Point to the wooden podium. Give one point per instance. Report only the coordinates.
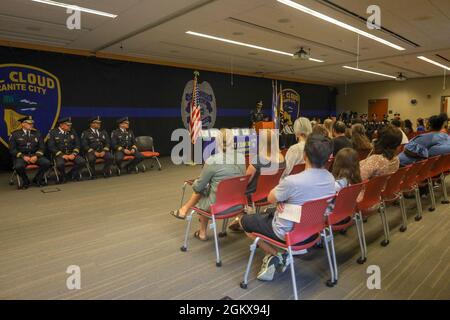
(264, 125)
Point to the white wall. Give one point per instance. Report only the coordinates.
(427, 92)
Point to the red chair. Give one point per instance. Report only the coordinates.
(230, 202)
(298, 168)
(67, 164)
(423, 177)
(437, 173)
(265, 184)
(343, 215)
(392, 192)
(409, 184)
(28, 168)
(147, 149)
(126, 158)
(371, 199)
(312, 224)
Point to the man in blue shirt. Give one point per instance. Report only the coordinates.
(313, 183)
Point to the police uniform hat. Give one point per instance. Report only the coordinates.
(27, 119)
(95, 119)
(119, 121)
(67, 120)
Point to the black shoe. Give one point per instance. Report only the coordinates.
(106, 175)
(39, 182)
(93, 177)
(76, 177)
(25, 183)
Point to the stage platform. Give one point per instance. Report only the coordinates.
(120, 233)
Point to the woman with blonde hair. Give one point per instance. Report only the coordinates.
(328, 124)
(226, 163)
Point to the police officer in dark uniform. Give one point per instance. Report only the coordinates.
(124, 144)
(257, 115)
(27, 147)
(97, 145)
(64, 145)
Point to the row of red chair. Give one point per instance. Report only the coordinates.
(231, 201)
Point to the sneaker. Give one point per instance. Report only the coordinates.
(284, 262)
(268, 268)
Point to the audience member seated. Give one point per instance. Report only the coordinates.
(268, 161)
(340, 141)
(226, 163)
(408, 128)
(383, 159)
(328, 124)
(346, 169)
(420, 125)
(427, 144)
(294, 156)
(396, 123)
(360, 141)
(313, 183)
(320, 129)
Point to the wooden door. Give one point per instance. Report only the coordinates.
(378, 106)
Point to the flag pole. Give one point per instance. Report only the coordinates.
(193, 103)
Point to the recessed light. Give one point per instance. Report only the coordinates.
(76, 8)
(341, 24)
(202, 35)
(434, 62)
(368, 71)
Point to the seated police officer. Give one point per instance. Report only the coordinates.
(64, 145)
(27, 147)
(96, 145)
(124, 144)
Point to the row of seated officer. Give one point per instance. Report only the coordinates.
(27, 147)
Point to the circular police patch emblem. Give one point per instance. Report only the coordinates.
(207, 102)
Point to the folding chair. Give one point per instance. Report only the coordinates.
(230, 202)
(66, 165)
(146, 147)
(371, 199)
(409, 184)
(18, 179)
(298, 168)
(312, 224)
(423, 177)
(343, 216)
(125, 159)
(392, 192)
(437, 173)
(265, 184)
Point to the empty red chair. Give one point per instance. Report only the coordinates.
(423, 176)
(437, 173)
(265, 184)
(230, 202)
(342, 217)
(393, 192)
(312, 224)
(409, 184)
(146, 147)
(298, 168)
(371, 199)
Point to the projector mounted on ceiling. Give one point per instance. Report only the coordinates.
(302, 54)
(401, 77)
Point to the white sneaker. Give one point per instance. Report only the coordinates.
(268, 268)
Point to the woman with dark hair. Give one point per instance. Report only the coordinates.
(346, 168)
(383, 159)
(420, 125)
(408, 128)
(429, 144)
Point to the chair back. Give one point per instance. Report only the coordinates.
(440, 165)
(144, 143)
(363, 154)
(230, 193)
(372, 192)
(345, 203)
(298, 168)
(265, 184)
(312, 221)
(425, 172)
(393, 184)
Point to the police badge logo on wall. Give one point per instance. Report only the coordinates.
(207, 102)
(291, 103)
(27, 90)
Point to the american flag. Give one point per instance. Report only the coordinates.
(195, 124)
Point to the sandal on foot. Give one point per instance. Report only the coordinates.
(197, 235)
(176, 214)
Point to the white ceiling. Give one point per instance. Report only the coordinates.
(156, 29)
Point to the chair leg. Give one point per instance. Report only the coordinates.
(326, 238)
(11, 178)
(294, 282)
(188, 228)
(56, 174)
(432, 196)
(419, 204)
(359, 223)
(159, 164)
(333, 254)
(19, 181)
(444, 190)
(253, 246)
(403, 212)
(216, 242)
(223, 233)
(385, 223)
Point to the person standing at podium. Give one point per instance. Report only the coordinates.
(257, 115)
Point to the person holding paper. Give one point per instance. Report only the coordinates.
(313, 183)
